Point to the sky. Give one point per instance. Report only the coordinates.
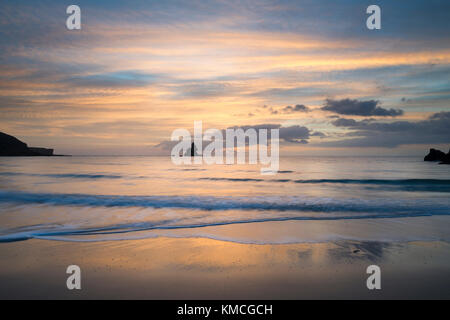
(137, 70)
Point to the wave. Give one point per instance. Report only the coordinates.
(63, 175)
(144, 230)
(209, 211)
(245, 179)
(441, 182)
(409, 185)
(430, 185)
(233, 179)
(384, 207)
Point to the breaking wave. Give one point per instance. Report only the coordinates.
(63, 175)
(384, 207)
(430, 185)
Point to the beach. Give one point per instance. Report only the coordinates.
(199, 268)
(143, 228)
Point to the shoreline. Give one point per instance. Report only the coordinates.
(267, 232)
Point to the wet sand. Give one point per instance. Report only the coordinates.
(200, 268)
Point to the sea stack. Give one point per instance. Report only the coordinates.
(446, 159)
(435, 155)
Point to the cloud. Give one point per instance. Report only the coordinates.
(204, 89)
(297, 108)
(370, 133)
(299, 92)
(288, 109)
(440, 116)
(170, 61)
(343, 122)
(13, 102)
(295, 134)
(292, 134)
(359, 108)
(273, 111)
(123, 79)
(318, 134)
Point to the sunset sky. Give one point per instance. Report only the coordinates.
(137, 70)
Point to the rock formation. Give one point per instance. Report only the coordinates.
(13, 147)
(434, 155)
(42, 151)
(446, 159)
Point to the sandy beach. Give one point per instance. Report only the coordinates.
(140, 228)
(200, 268)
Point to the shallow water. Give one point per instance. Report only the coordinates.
(101, 198)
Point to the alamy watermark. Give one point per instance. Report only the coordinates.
(373, 22)
(374, 280)
(230, 146)
(73, 22)
(74, 280)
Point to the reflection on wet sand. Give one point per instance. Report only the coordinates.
(202, 268)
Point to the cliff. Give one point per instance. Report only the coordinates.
(12, 147)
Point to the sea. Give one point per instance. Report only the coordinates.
(310, 199)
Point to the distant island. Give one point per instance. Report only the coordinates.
(12, 147)
(438, 155)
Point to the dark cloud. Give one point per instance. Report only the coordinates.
(343, 122)
(370, 133)
(405, 100)
(359, 108)
(297, 108)
(440, 116)
(292, 134)
(288, 109)
(295, 134)
(318, 134)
